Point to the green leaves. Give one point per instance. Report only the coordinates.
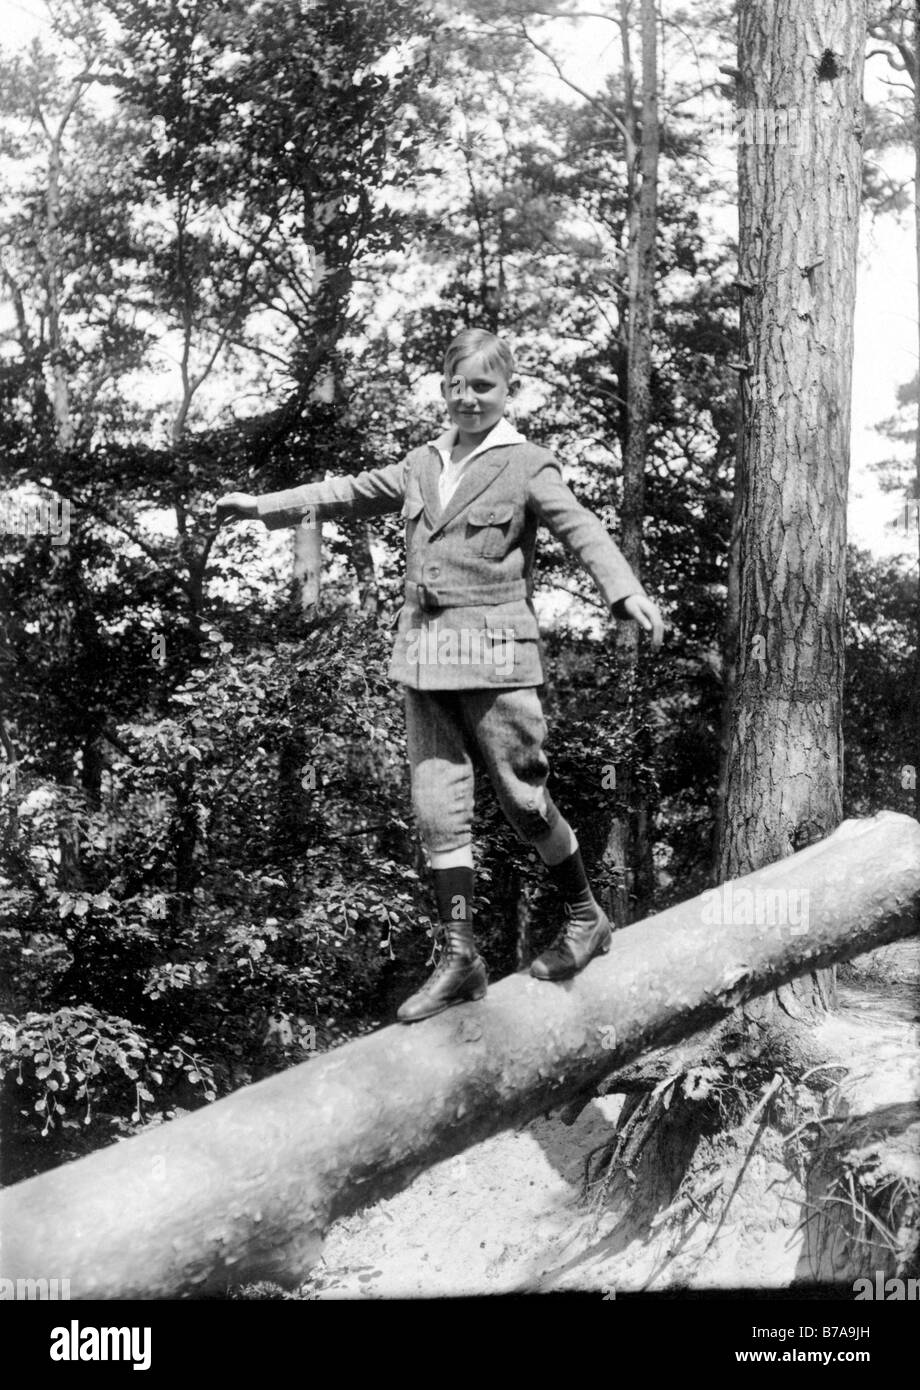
(75, 1064)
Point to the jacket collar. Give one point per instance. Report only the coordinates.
(472, 481)
(502, 433)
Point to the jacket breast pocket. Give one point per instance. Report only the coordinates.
(488, 529)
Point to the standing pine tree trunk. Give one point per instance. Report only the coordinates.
(916, 456)
(54, 270)
(628, 840)
(800, 85)
(306, 571)
(642, 260)
(729, 645)
(912, 64)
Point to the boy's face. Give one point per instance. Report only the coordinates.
(475, 394)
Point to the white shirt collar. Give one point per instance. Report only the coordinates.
(502, 433)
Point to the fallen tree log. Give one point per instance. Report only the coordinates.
(246, 1187)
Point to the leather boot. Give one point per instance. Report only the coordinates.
(585, 935)
(459, 975)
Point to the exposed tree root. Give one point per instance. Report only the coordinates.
(858, 1174)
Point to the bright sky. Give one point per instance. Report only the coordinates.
(886, 337)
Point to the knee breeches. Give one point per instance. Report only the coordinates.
(508, 729)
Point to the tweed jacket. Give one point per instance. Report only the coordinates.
(468, 620)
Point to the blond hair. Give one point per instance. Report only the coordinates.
(494, 349)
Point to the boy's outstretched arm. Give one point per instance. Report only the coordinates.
(586, 537)
(371, 493)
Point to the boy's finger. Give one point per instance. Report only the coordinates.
(643, 614)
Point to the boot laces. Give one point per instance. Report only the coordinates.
(444, 951)
(568, 933)
(441, 959)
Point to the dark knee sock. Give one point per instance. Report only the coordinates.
(570, 878)
(453, 889)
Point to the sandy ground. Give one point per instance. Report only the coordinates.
(508, 1215)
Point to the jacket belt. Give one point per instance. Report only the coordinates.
(430, 596)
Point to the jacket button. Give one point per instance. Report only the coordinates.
(433, 571)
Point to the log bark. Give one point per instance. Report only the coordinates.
(247, 1187)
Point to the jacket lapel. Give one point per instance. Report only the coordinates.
(482, 472)
(429, 473)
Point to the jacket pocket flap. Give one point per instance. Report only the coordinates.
(494, 514)
(517, 617)
(412, 506)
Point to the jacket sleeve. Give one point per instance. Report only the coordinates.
(581, 532)
(371, 493)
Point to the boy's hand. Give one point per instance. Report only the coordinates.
(236, 506)
(646, 615)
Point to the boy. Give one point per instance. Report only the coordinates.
(471, 501)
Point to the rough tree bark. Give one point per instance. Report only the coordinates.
(910, 57)
(915, 78)
(642, 262)
(247, 1187)
(799, 89)
(729, 647)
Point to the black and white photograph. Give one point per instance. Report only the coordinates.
(459, 676)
